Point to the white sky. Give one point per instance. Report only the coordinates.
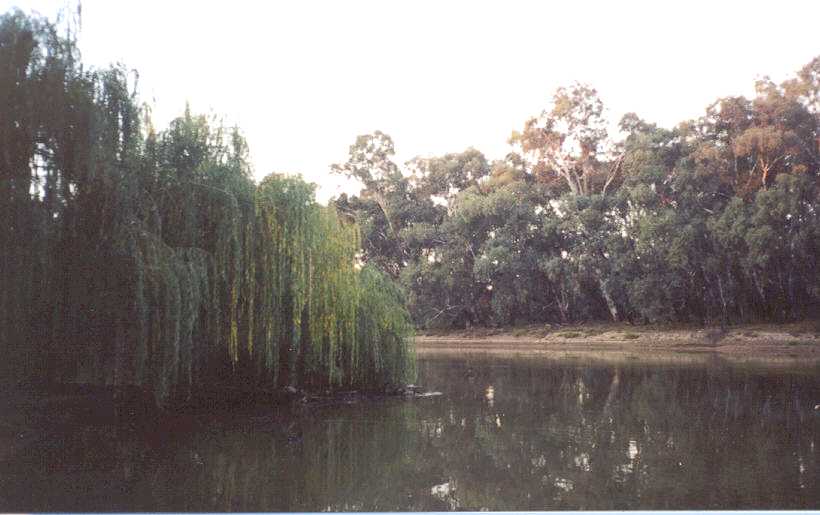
(303, 78)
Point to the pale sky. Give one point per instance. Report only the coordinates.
(302, 79)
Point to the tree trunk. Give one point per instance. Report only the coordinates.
(722, 299)
(563, 305)
(765, 168)
(610, 302)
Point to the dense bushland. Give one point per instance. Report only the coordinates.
(714, 221)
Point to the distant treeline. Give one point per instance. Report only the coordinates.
(714, 221)
(131, 256)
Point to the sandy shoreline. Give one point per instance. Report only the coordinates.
(788, 345)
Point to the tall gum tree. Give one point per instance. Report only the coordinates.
(569, 141)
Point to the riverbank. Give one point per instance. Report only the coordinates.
(797, 343)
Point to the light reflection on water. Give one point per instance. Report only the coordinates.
(506, 434)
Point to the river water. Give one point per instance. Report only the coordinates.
(506, 434)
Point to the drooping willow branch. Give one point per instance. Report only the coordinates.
(153, 260)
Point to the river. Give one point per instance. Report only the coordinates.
(507, 434)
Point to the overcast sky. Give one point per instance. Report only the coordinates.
(302, 79)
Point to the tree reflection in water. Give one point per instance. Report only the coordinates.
(510, 434)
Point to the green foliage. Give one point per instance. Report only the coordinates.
(137, 257)
(383, 355)
(713, 221)
(130, 255)
(330, 323)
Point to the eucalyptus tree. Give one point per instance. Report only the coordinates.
(370, 162)
(442, 285)
(806, 86)
(517, 240)
(569, 142)
(450, 174)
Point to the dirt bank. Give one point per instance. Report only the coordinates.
(775, 344)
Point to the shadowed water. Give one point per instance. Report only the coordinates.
(506, 434)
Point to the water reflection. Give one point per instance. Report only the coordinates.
(515, 434)
(630, 437)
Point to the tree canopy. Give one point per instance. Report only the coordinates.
(136, 256)
(712, 221)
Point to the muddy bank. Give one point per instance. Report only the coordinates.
(793, 344)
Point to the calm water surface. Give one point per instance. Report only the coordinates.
(506, 434)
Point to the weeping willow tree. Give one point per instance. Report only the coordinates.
(130, 256)
(316, 312)
(332, 302)
(382, 356)
(284, 210)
